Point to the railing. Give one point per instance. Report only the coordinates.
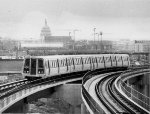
(137, 97)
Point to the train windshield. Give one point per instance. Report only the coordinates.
(33, 66)
(26, 66)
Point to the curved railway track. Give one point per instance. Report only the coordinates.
(112, 99)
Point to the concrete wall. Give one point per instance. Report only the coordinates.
(10, 65)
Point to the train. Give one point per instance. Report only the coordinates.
(35, 67)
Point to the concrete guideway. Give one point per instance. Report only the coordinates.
(126, 76)
(10, 100)
(90, 87)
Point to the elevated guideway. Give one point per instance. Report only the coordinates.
(29, 89)
(134, 96)
(96, 105)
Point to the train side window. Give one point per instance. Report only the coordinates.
(125, 59)
(79, 61)
(113, 59)
(68, 61)
(93, 60)
(75, 60)
(54, 63)
(46, 64)
(119, 58)
(100, 59)
(103, 60)
(96, 60)
(62, 62)
(85, 60)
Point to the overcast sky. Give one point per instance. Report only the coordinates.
(117, 19)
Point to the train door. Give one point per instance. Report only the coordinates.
(40, 65)
(33, 67)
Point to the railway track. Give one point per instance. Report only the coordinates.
(111, 99)
(8, 87)
(106, 98)
(11, 89)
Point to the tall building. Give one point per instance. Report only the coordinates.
(45, 31)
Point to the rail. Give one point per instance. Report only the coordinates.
(9, 100)
(132, 94)
(93, 105)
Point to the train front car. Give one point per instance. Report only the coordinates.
(33, 68)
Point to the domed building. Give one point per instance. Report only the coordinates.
(48, 41)
(47, 38)
(45, 31)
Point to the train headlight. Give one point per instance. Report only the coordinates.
(40, 71)
(26, 70)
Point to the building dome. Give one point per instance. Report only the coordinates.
(45, 30)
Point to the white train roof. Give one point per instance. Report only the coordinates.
(70, 56)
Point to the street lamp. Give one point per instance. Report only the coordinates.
(101, 40)
(94, 36)
(98, 40)
(74, 38)
(69, 33)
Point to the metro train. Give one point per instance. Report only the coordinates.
(45, 66)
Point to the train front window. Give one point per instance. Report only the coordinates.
(26, 66)
(40, 66)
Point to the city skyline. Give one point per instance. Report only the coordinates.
(126, 19)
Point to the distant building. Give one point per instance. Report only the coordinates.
(48, 41)
(142, 45)
(62, 39)
(103, 46)
(46, 37)
(124, 45)
(45, 31)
